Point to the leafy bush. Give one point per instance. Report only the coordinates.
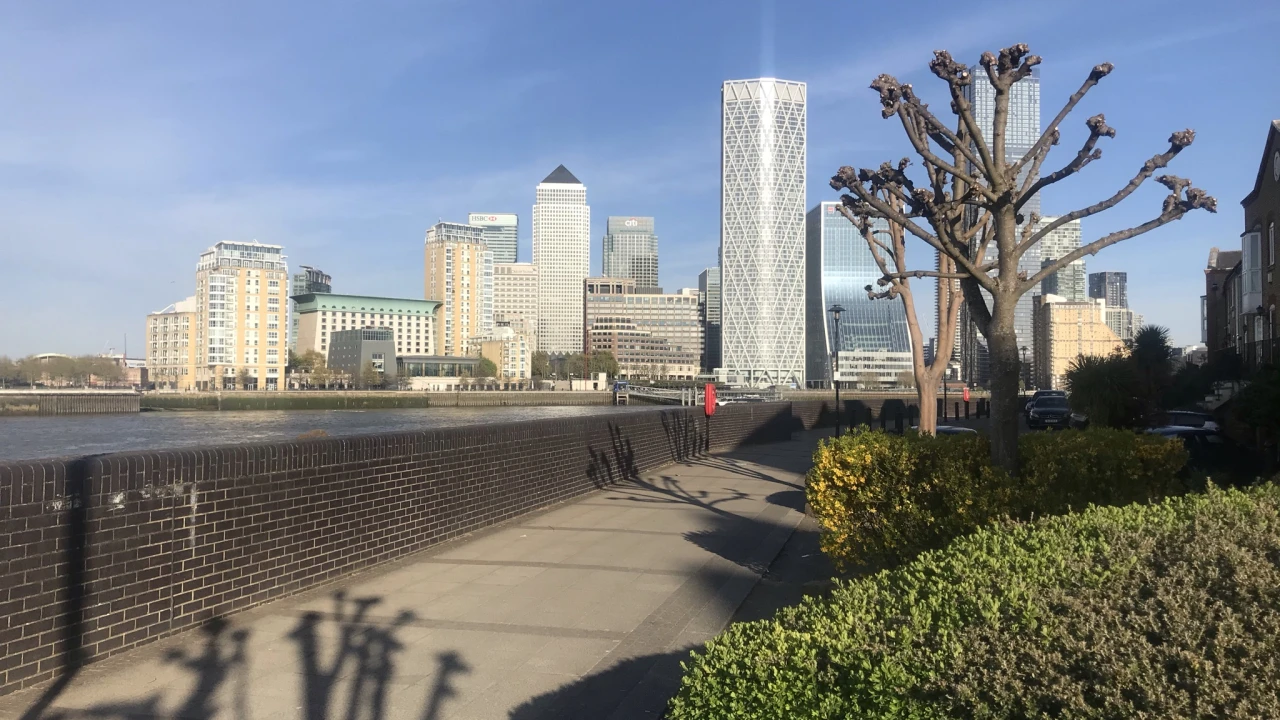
(1102, 466)
(882, 499)
(1169, 610)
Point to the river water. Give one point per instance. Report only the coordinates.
(25, 438)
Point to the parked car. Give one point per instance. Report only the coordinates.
(1050, 411)
(1210, 450)
(950, 430)
(1191, 419)
(1043, 393)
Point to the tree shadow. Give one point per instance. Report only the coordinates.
(346, 659)
(612, 693)
(615, 463)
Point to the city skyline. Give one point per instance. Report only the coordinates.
(167, 169)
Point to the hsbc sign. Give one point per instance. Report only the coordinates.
(506, 219)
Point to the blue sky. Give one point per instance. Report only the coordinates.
(134, 135)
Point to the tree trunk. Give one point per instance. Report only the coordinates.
(1002, 349)
(927, 396)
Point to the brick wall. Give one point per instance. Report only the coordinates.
(101, 554)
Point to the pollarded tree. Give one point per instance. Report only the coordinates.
(969, 207)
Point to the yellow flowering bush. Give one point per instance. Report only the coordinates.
(882, 499)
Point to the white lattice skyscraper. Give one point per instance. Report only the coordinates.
(562, 252)
(762, 230)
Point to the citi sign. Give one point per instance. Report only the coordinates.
(632, 222)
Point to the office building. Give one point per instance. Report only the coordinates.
(1068, 282)
(1065, 331)
(308, 280)
(515, 298)
(562, 252)
(353, 351)
(459, 273)
(509, 350)
(1022, 130)
(762, 209)
(1111, 287)
(631, 250)
(709, 287)
(320, 315)
(171, 347)
(873, 337)
(501, 234)
(675, 318)
(241, 317)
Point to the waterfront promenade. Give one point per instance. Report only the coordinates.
(580, 610)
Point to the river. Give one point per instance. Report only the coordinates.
(25, 438)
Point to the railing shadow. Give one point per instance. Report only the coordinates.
(346, 660)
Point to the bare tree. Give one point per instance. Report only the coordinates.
(971, 204)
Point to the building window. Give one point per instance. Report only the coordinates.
(1271, 243)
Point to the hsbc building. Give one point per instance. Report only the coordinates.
(501, 234)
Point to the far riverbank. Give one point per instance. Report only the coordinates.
(368, 399)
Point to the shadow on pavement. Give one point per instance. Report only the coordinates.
(343, 679)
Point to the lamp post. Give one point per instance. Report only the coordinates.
(1026, 374)
(835, 371)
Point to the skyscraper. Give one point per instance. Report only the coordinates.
(241, 312)
(562, 252)
(309, 280)
(873, 333)
(1069, 282)
(709, 288)
(631, 250)
(459, 273)
(1022, 130)
(762, 210)
(1110, 286)
(501, 234)
(515, 299)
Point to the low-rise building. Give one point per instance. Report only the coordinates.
(1065, 331)
(1259, 281)
(640, 354)
(508, 350)
(673, 317)
(320, 315)
(171, 348)
(353, 351)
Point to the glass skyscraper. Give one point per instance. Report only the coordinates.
(631, 250)
(1069, 281)
(1110, 286)
(501, 234)
(709, 288)
(762, 231)
(873, 333)
(1022, 130)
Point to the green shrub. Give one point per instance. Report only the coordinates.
(883, 499)
(1103, 466)
(1169, 610)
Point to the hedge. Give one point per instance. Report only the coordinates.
(882, 499)
(1167, 610)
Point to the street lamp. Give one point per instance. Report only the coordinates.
(835, 371)
(1025, 373)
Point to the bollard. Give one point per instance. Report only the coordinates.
(957, 410)
(966, 409)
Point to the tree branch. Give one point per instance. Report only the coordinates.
(1175, 206)
(1177, 142)
(1098, 128)
(1095, 75)
(958, 76)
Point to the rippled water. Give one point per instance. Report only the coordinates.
(43, 437)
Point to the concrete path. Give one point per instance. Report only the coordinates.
(581, 611)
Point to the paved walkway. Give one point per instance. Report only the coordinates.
(581, 611)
